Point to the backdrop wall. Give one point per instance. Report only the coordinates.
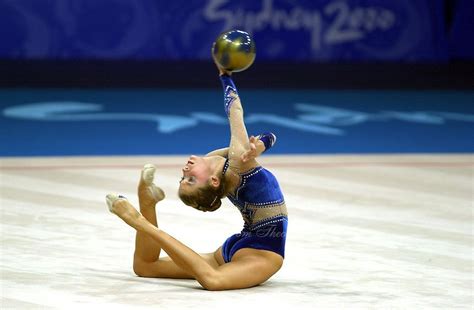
(303, 30)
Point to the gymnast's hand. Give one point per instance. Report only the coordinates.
(252, 153)
(222, 71)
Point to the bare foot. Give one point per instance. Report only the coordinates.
(148, 193)
(120, 206)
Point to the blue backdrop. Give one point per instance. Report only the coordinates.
(185, 29)
(461, 42)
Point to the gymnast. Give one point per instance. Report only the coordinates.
(246, 259)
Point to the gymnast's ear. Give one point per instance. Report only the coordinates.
(214, 181)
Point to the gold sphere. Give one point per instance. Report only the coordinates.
(234, 50)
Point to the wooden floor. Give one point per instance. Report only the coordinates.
(364, 232)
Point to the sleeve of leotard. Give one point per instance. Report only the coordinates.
(268, 139)
(230, 93)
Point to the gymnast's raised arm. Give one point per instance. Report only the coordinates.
(242, 151)
(239, 142)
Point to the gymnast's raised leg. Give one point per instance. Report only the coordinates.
(146, 259)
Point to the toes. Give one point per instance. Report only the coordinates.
(110, 199)
(148, 173)
(146, 189)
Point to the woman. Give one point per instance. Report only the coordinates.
(244, 260)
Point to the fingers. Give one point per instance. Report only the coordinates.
(245, 156)
(222, 71)
(252, 153)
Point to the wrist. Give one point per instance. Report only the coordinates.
(268, 139)
(230, 92)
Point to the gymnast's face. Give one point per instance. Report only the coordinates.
(196, 173)
(198, 178)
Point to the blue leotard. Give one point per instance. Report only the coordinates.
(262, 205)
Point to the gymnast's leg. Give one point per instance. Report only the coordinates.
(147, 250)
(249, 267)
(146, 262)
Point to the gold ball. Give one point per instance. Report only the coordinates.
(234, 50)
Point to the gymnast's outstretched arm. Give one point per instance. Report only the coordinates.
(242, 152)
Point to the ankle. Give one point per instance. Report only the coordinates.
(147, 204)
